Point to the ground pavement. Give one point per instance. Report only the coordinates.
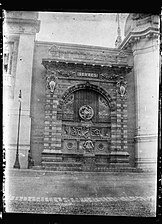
(89, 193)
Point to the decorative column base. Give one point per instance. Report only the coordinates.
(89, 162)
(119, 159)
(146, 152)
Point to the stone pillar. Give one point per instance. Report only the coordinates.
(24, 26)
(146, 72)
(142, 38)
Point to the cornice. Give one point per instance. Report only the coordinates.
(19, 25)
(73, 47)
(49, 62)
(86, 55)
(135, 36)
(82, 71)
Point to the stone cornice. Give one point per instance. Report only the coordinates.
(47, 61)
(81, 47)
(89, 54)
(135, 36)
(20, 25)
(82, 71)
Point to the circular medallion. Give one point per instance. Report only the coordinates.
(86, 112)
(100, 147)
(69, 145)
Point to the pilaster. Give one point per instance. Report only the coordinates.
(20, 29)
(146, 71)
(142, 38)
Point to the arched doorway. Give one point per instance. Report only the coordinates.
(86, 123)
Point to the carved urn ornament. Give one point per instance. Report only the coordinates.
(51, 83)
(122, 90)
(121, 85)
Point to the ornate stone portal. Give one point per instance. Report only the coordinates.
(82, 113)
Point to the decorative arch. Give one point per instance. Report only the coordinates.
(90, 86)
(85, 86)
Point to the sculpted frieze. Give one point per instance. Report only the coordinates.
(66, 73)
(86, 132)
(110, 73)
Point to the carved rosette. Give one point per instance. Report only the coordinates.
(71, 145)
(101, 146)
(86, 112)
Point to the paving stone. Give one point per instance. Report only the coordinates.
(42, 198)
(50, 199)
(55, 200)
(109, 208)
(86, 205)
(72, 200)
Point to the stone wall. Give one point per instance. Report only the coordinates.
(38, 101)
(44, 105)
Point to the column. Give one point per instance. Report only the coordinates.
(23, 82)
(146, 72)
(20, 28)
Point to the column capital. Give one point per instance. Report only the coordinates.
(22, 22)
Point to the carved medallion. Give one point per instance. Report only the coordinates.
(86, 112)
(69, 145)
(100, 147)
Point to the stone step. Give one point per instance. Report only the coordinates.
(120, 160)
(119, 165)
(61, 164)
(95, 169)
(75, 165)
(59, 168)
(51, 159)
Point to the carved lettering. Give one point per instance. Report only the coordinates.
(87, 74)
